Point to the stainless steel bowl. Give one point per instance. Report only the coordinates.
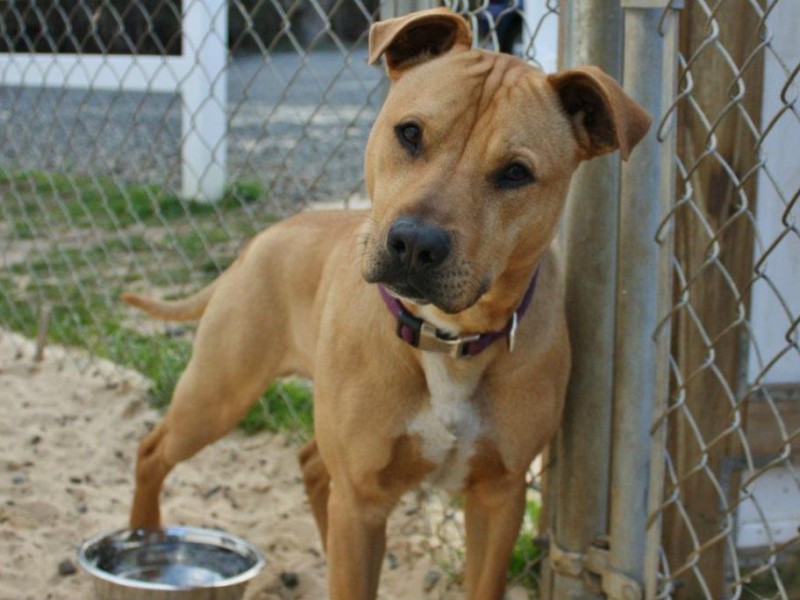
(185, 563)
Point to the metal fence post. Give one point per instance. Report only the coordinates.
(590, 33)
(204, 97)
(667, 136)
(640, 382)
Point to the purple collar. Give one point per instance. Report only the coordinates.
(421, 334)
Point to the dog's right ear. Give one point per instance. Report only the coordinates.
(418, 37)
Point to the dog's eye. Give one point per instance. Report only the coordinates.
(514, 175)
(410, 136)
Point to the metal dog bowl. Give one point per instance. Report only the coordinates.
(174, 563)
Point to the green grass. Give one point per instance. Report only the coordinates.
(104, 250)
(524, 567)
(41, 201)
(287, 405)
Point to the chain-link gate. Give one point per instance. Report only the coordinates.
(731, 506)
(683, 410)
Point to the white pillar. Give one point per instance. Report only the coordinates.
(204, 95)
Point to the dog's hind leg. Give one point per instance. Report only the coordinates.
(317, 481)
(200, 414)
(197, 417)
(150, 473)
(230, 367)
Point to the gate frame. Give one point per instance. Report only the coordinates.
(609, 460)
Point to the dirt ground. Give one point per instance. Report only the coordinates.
(68, 436)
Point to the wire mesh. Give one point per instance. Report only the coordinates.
(94, 121)
(731, 508)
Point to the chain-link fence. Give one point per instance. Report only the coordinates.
(731, 505)
(103, 137)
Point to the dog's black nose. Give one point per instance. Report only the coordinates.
(415, 244)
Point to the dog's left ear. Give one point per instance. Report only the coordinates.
(410, 40)
(603, 116)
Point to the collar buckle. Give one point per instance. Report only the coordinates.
(431, 340)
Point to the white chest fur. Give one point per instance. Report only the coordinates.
(451, 423)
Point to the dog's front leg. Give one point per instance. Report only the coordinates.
(493, 514)
(356, 544)
(317, 481)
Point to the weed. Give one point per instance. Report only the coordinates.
(524, 567)
(46, 200)
(286, 406)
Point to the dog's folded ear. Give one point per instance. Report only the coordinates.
(418, 37)
(603, 116)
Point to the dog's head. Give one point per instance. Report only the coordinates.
(469, 161)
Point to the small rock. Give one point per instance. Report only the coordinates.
(76, 480)
(175, 332)
(134, 408)
(432, 577)
(66, 568)
(82, 508)
(391, 559)
(212, 492)
(19, 479)
(289, 579)
(36, 440)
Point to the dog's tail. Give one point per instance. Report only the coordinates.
(185, 309)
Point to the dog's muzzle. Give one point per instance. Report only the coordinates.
(419, 262)
(413, 258)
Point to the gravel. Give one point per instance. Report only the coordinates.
(297, 123)
(66, 568)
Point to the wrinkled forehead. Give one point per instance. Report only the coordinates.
(480, 90)
(474, 78)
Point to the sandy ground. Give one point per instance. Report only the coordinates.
(67, 442)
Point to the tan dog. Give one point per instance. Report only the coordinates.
(467, 166)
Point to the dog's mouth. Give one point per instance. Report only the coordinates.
(407, 292)
(448, 296)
